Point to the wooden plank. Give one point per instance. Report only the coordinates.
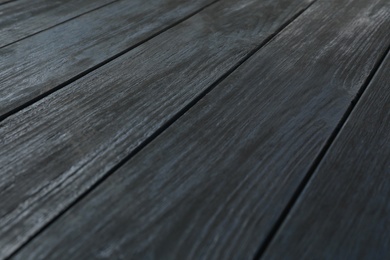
(19, 19)
(344, 212)
(32, 68)
(58, 148)
(214, 183)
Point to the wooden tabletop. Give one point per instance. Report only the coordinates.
(196, 129)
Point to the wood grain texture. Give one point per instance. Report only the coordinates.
(59, 147)
(213, 184)
(344, 212)
(41, 63)
(19, 19)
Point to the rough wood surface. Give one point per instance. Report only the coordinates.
(344, 212)
(213, 184)
(41, 63)
(19, 19)
(59, 147)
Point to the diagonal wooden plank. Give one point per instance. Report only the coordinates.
(214, 183)
(19, 19)
(55, 150)
(39, 65)
(344, 212)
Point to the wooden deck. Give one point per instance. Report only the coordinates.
(197, 129)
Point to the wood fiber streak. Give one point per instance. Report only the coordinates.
(344, 212)
(56, 149)
(213, 184)
(19, 19)
(41, 63)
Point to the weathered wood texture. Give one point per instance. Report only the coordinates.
(345, 213)
(41, 63)
(213, 184)
(59, 147)
(19, 19)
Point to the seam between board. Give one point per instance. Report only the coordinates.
(325, 148)
(7, 2)
(136, 150)
(101, 64)
(166, 125)
(51, 27)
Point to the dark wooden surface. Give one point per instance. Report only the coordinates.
(215, 182)
(345, 211)
(21, 18)
(194, 130)
(79, 133)
(38, 66)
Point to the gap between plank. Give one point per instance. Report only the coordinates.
(48, 28)
(97, 66)
(165, 126)
(309, 175)
(7, 2)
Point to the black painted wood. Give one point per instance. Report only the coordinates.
(56, 149)
(344, 212)
(19, 19)
(40, 64)
(214, 183)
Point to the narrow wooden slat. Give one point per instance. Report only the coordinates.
(59, 147)
(39, 64)
(19, 19)
(214, 183)
(345, 213)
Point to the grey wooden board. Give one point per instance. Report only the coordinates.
(39, 64)
(59, 147)
(213, 184)
(19, 19)
(344, 213)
